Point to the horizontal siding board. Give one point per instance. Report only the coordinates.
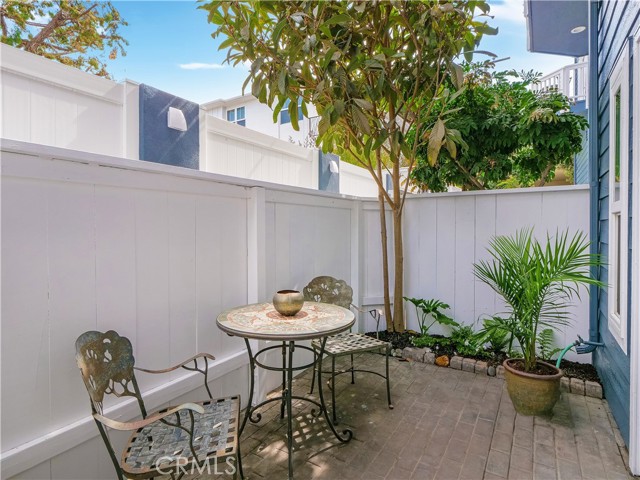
(617, 21)
(619, 38)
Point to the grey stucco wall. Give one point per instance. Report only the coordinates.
(158, 142)
(327, 180)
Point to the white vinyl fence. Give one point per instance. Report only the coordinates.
(49, 103)
(230, 149)
(357, 181)
(444, 234)
(156, 252)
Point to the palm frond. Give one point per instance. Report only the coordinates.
(538, 282)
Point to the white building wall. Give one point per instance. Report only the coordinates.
(259, 117)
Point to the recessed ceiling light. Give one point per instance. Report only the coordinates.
(578, 29)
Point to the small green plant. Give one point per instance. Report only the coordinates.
(546, 350)
(465, 342)
(437, 344)
(430, 341)
(494, 336)
(426, 309)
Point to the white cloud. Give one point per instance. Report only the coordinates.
(201, 66)
(508, 11)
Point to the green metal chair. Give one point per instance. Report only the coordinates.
(192, 437)
(327, 289)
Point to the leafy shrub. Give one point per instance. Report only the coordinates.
(431, 341)
(431, 308)
(465, 342)
(546, 349)
(494, 336)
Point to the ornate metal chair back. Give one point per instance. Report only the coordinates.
(327, 289)
(106, 363)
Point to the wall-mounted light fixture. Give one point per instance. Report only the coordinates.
(176, 120)
(333, 166)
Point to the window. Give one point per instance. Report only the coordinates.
(618, 198)
(284, 113)
(236, 115)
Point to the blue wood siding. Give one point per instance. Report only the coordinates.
(617, 21)
(581, 162)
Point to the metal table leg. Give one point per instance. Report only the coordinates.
(287, 394)
(252, 372)
(286, 398)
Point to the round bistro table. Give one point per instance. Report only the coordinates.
(261, 321)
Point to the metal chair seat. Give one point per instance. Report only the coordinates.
(348, 343)
(330, 290)
(215, 436)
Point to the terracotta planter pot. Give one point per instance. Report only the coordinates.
(530, 393)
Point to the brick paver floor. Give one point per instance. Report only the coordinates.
(446, 424)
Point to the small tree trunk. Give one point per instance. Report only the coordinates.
(398, 283)
(398, 286)
(385, 263)
(544, 175)
(385, 251)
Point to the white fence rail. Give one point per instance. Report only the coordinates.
(156, 252)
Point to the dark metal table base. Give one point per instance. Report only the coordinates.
(287, 369)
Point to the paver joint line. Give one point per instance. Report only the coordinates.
(447, 424)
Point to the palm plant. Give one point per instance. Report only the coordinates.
(538, 282)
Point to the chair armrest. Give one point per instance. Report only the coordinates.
(116, 425)
(203, 369)
(182, 364)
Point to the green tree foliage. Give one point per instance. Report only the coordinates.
(509, 135)
(374, 70)
(71, 32)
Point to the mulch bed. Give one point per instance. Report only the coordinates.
(400, 340)
(583, 371)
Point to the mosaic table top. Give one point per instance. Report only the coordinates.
(262, 321)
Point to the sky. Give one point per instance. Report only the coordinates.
(170, 48)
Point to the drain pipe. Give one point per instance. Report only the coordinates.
(594, 191)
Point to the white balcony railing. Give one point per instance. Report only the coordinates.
(572, 80)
